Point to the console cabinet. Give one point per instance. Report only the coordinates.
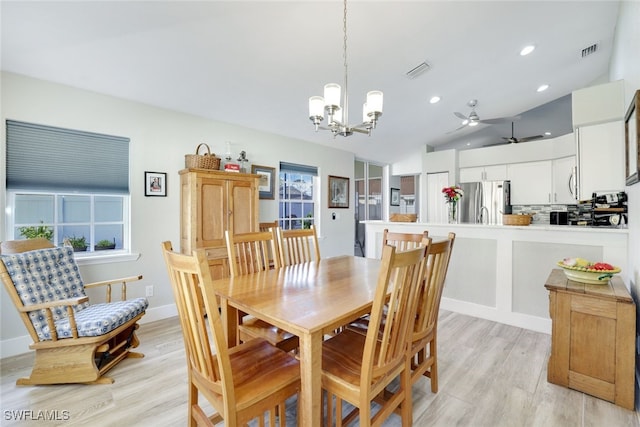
(592, 338)
(212, 202)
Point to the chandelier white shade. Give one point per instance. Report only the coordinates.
(338, 120)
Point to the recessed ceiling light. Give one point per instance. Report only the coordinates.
(542, 88)
(547, 133)
(527, 50)
(434, 99)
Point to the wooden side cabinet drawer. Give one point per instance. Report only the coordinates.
(592, 338)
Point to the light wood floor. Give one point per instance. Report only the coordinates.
(490, 375)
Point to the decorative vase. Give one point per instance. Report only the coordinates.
(453, 212)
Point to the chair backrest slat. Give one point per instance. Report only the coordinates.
(298, 246)
(388, 334)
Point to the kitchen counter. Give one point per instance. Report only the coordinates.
(497, 272)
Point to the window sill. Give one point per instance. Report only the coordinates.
(106, 259)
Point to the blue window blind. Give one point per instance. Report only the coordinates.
(294, 168)
(52, 159)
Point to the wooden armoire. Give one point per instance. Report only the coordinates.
(213, 201)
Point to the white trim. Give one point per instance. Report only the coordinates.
(19, 345)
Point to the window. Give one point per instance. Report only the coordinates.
(75, 188)
(297, 196)
(368, 177)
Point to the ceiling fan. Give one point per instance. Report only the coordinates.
(473, 119)
(514, 140)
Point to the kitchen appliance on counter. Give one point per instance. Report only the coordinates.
(484, 202)
(559, 217)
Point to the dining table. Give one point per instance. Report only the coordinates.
(310, 300)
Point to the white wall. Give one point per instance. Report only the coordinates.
(159, 140)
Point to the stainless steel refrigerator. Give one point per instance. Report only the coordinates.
(484, 202)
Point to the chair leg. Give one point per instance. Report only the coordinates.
(407, 403)
(433, 370)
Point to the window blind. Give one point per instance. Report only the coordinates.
(48, 158)
(295, 168)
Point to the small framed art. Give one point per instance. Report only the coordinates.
(338, 192)
(155, 184)
(266, 185)
(395, 197)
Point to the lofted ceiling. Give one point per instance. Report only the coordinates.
(256, 63)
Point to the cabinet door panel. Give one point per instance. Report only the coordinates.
(530, 183)
(564, 183)
(213, 211)
(601, 158)
(600, 360)
(243, 199)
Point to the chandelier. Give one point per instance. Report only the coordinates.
(338, 117)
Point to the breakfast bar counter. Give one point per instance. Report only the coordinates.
(497, 272)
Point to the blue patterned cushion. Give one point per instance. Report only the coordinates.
(52, 274)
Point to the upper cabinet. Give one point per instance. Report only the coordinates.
(601, 158)
(484, 173)
(531, 183)
(598, 104)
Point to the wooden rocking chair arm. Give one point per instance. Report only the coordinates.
(113, 281)
(49, 304)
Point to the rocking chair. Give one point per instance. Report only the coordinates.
(75, 342)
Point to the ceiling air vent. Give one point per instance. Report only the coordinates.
(417, 70)
(589, 50)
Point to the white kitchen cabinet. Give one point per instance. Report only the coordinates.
(531, 182)
(564, 181)
(483, 173)
(601, 166)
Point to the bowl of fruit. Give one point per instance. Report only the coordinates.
(581, 270)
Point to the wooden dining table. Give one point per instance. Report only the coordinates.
(309, 300)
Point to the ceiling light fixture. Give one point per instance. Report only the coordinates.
(434, 99)
(527, 50)
(338, 121)
(542, 88)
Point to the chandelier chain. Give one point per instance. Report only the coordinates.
(345, 115)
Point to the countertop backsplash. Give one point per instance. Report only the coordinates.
(540, 212)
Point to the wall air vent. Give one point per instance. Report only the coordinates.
(589, 50)
(417, 70)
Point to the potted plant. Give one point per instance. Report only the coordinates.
(105, 244)
(79, 244)
(35, 231)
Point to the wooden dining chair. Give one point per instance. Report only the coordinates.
(248, 254)
(298, 246)
(357, 368)
(241, 383)
(424, 351)
(265, 226)
(403, 241)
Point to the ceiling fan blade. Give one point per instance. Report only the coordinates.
(500, 120)
(497, 143)
(455, 130)
(530, 138)
(460, 115)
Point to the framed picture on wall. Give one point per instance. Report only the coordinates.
(338, 192)
(155, 184)
(395, 197)
(632, 140)
(266, 184)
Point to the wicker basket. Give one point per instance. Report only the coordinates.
(403, 217)
(202, 161)
(516, 219)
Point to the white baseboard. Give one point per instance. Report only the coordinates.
(20, 345)
(520, 320)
